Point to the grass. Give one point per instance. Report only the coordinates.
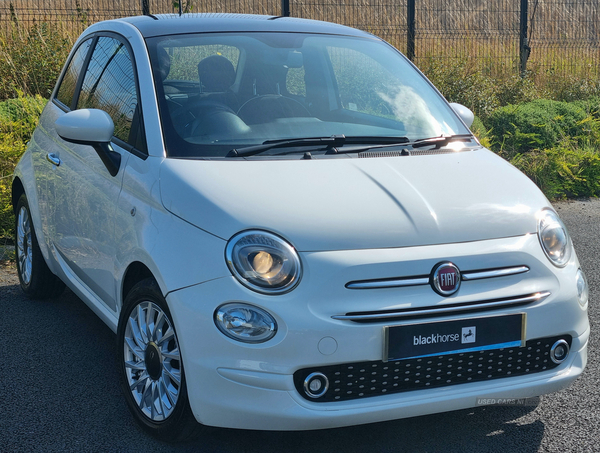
(31, 59)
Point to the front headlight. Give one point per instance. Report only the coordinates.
(263, 262)
(554, 238)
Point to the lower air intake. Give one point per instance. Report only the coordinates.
(364, 379)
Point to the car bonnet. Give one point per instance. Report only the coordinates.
(352, 203)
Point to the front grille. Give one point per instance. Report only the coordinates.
(439, 310)
(364, 379)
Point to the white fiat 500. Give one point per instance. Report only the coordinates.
(289, 228)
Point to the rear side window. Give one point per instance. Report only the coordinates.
(109, 85)
(66, 90)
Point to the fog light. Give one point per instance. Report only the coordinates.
(244, 322)
(582, 288)
(316, 385)
(559, 351)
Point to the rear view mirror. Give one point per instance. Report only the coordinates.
(465, 114)
(86, 126)
(91, 127)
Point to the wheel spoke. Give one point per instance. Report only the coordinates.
(171, 396)
(134, 348)
(157, 326)
(172, 355)
(170, 333)
(150, 321)
(143, 379)
(149, 399)
(174, 375)
(135, 332)
(20, 239)
(141, 326)
(153, 414)
(138, 366)
(160, 391)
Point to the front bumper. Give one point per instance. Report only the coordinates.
(237, 385)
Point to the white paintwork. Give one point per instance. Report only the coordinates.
(258, 378)
(401, 201)
(351, 219)
(465, 114)
(86, 125)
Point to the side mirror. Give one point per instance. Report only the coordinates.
(91, 127)
(465, 114)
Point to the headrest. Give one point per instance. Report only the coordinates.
(216, 74)
(164, 62)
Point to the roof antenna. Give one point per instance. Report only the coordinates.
(180, 11)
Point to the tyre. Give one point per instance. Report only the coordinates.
(151, 369)
(37, 280)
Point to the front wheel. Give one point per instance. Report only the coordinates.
(37, 280)
(151, 368)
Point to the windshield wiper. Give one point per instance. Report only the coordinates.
(367, 143)
(438, 142)
(329, 142)
(332, 144)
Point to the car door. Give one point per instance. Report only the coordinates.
(86, 195)
(45, 142)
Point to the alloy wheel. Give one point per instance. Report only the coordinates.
(152, 361)
(24, 249)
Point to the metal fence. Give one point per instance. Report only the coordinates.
(563, 35)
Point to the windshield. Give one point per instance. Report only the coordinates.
(222, 91)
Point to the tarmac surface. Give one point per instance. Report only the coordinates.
(59, 389)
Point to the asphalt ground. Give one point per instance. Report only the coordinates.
(59, 389)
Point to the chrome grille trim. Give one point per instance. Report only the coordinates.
(444, 310)
(493, 273)
(424, 280)
(392, 283)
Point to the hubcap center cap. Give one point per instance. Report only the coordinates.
(153, 361)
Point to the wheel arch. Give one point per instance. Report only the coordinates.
(17, 190)
(135, 273)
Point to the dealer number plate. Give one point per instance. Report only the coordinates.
(451, 337)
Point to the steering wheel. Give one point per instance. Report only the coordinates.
(269, 107)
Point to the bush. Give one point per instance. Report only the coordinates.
(562, 172)
(541, 124)
(516, 90)
(480, 131)
(571, 88)
(459, 83)
(18, 118)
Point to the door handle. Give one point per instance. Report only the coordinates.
(53, 159)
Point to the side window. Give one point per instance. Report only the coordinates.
(109, 85)
(361, 82)
(67, 85)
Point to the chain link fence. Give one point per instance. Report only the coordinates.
(563, 35)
